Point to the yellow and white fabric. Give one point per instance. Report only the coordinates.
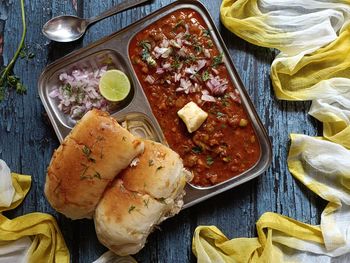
(313, 37)
(32, 237)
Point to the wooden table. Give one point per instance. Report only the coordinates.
(27, 140)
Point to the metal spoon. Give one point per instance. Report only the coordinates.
(70, 28)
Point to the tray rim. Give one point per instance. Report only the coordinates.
(206, 192)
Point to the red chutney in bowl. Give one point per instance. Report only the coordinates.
(176, 61)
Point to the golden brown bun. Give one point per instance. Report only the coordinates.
(141, 198)
(123, 219)
(96, 150)
(158, 172)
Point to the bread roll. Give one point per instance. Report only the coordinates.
(89, 158)
(141, 197)
(124, 218)
(158, 173)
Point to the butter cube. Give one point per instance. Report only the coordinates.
(193, 116)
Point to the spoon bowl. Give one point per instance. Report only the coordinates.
(70, 28)
(65, 28)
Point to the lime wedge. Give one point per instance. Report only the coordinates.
(114, 85)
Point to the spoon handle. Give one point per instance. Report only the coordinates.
(116, 9)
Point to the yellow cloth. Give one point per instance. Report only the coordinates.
(48, 244)
(313, 64)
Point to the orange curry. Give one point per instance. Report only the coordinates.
(176, 61)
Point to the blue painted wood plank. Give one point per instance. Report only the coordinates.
(27, 141)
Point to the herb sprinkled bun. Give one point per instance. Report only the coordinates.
(142, 197)
(89, 158)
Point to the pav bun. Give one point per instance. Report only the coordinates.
(142, 197)
(89, 158)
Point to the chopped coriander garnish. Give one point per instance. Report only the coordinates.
(145, 44)
(188, 36)
(124, 138)
(205, 75)
(85, 168)
(86, 151)
(179, 23)
(198, 48)
(159, 168)
(150, 162)
(131, 208)
(145, 54)
(210, 160)
(225, 103)
(196, 149)
(190, 59)
(97, 175)
(220, 114)
(176, 64)
(162, 200)
(146, 202)
(217, 60)
(68, 89)
(206, 32)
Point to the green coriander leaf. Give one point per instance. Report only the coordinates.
(146, 202)
(220, 114)
(131, 208)
(210, 160)
(196, 149)
(206, 32)
(159, 168)
(217, 60)
(97, 175)
(20, 88)
(162, 200)
(179, 23)
(205, 75)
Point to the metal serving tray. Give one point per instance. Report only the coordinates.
(135, 112)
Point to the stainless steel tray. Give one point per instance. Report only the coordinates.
(135, 112)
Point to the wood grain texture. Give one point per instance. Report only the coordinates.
(27, 140)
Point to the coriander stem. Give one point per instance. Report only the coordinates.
(20, 46)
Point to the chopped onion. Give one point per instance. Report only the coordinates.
(207, 98)
(207, 53)
(215, 71)
(166, 66)
(79, 92)
(201, 64)
(162, 52)
(160, 70)
(185, 86)
(217, 86)
(235, 97)
(177, 77)
(134, 162)
(165, 43)
(149, 79)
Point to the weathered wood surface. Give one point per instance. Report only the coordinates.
(27, 140)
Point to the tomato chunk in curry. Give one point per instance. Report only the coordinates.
(176, 61)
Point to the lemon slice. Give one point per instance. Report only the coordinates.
(114, 85)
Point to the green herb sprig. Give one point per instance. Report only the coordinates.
(7, 78)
